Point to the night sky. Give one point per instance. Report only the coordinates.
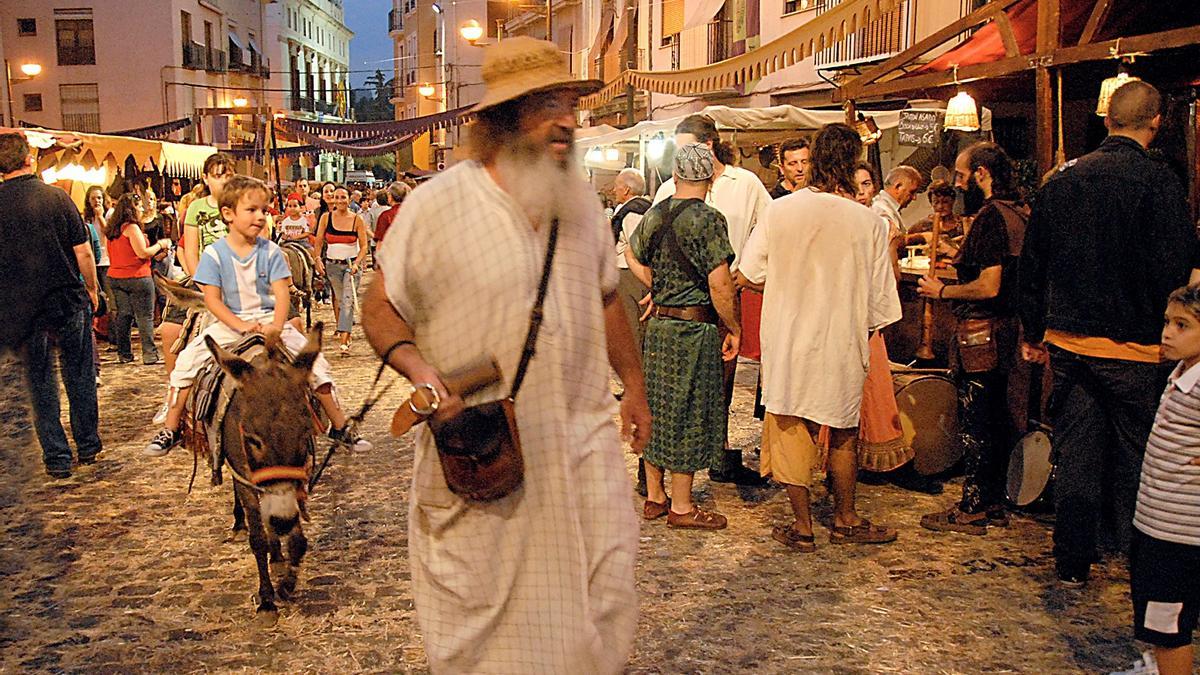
(371, 44)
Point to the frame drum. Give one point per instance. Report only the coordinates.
(928, 403)
(1030, 469)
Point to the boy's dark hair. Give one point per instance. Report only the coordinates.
(237, 187)
(13, 151)
(1188, 297)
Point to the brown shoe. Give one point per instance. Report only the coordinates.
(697, 520)
(654, 510)
(954, 520)
(793, 539)
(865, 532)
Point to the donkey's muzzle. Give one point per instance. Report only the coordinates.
(283, 526)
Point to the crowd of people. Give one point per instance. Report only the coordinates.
(802, 278)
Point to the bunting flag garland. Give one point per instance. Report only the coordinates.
(376, 130)
(360, 149)
(155, 131)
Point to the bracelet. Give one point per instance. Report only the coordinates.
(941, 291)
(387, 355)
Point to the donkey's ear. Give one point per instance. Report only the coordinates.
(308, 356)
(231, 363)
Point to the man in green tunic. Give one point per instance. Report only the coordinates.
(682, 251)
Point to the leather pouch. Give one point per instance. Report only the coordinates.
(976, 339)
(480, 451)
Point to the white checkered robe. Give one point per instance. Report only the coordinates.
(542, 580)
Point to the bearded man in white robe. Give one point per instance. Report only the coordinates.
(540, 580)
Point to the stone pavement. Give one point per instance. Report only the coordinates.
(118, 569)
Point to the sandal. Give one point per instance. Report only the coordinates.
(655, 510)
(865, 532)
(793, 539)
(954, 520)
(697, 520)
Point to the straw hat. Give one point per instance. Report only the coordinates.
(519, 66)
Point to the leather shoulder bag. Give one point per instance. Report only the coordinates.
(480, 449)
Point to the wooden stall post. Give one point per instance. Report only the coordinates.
(925, 351)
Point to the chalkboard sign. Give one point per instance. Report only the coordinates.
(920, 128)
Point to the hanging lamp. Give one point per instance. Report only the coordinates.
(1111, 84)
(961, 112)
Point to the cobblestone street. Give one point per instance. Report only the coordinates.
(118, 569)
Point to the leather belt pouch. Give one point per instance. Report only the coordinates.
(480, 451)
(976, 338)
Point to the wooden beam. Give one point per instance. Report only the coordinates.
(1006, 34)
(1097, 51)
(979, 16)
(1044, 120)
(1095, 21)
(1049, 26)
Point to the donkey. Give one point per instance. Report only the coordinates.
(267, 436)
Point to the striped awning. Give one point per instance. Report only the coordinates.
(817, 34)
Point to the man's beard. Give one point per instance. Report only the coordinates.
(967, 202)
(544, 187)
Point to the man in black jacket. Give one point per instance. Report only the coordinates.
(1108, 240)
(47, 294)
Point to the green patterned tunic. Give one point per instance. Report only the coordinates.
(682, 359)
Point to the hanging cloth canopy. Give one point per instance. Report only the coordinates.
(377, 130)
(700, 12)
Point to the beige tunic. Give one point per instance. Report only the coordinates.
(829, 282)
(542, 580)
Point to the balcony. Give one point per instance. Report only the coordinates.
(215, 61)
(720, 40)
(890, 34)
(308, 104)
(194, 56)
(395, 21)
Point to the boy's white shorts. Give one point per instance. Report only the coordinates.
(195, 356)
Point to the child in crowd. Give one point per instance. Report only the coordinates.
(1165, 557)
(294, 226)
(244, 278)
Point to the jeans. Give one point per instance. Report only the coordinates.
(1102, 411)
(986, 433)
(135, 300)
(74, 339)
(345, 286)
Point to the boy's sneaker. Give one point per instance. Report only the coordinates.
(1146, 665)
(162, 443)
(347, 436)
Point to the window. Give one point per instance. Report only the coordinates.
(27, 27)
(80, 107)
(185, 28)
(33, 102)
(76, 45)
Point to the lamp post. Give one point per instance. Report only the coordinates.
(29, 71)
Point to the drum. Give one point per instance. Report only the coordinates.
(928, 403)
(1030, 470)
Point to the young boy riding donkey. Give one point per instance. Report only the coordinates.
(268, 427)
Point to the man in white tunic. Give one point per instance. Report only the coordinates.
(540, 580)
(829, 283)
(742, 198)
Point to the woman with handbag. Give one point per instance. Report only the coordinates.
(986, 338)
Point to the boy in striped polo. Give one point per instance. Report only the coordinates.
(1165, 559)
(244, 277)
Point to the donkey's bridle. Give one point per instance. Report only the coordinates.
(269, 474)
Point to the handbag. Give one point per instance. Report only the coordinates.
(976, 339)
(480, 449)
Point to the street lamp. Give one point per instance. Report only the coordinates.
(426, 90)
(240, 102)
(471, 31)
(29, 71)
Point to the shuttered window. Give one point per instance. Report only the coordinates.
(672, 18)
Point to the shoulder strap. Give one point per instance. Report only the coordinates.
(665, 235)
(535, 316)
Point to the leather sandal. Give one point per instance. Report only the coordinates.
(697, 520)
(954, 520)
(805, 543)
(655, 510)
(865, 532)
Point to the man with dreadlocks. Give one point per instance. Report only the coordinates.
(830, 285)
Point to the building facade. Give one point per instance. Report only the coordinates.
(112, 65)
